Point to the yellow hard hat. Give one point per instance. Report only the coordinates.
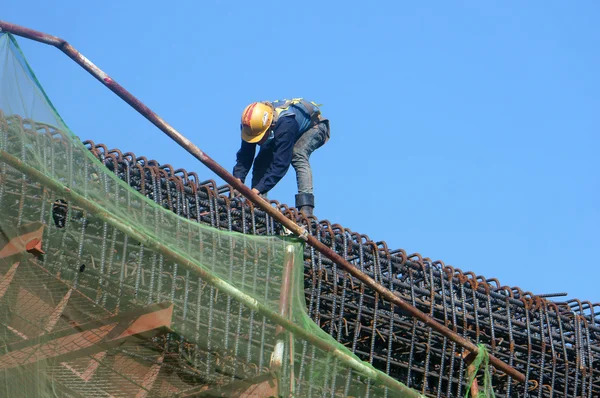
(256, 120)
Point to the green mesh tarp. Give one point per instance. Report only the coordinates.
(104, 292)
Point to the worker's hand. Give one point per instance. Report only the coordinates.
(255, 191)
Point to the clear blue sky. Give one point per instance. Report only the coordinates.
(466, 131)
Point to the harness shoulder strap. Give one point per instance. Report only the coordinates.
(310, 107)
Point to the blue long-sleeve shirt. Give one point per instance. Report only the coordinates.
(273, 160)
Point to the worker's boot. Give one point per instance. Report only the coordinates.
(305, 202)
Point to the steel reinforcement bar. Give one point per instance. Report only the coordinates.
(555, 344)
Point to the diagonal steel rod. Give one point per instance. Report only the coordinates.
(298, 230)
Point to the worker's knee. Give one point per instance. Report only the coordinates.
(299, 158)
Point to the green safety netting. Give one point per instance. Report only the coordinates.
(103, 292)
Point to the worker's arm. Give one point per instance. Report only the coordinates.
(244, 159)
(284, 139)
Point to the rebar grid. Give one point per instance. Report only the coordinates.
(543, 339)
(554, 344)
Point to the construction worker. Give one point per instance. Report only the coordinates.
(288, 132)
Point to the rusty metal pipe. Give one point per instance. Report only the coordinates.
(298, 230)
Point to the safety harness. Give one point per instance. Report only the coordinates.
(309, 108)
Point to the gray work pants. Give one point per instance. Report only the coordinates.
(312, 139)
